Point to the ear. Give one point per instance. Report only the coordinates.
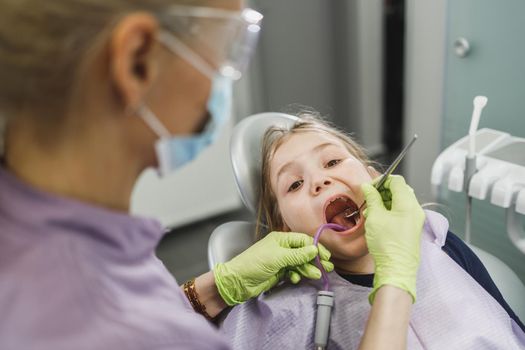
(373, 172)
(132, 65)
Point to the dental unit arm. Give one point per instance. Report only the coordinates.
(499, 174)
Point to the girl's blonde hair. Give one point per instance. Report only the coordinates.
(43, 44)
(269, 217)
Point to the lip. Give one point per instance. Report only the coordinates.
(359, 222)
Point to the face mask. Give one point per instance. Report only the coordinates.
(172, 151)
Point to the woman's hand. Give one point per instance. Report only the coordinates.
(394, 220)
(261, 266)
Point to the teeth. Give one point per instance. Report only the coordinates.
(339, 198)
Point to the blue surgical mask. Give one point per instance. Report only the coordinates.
(173, 152)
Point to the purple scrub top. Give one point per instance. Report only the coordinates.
(76, 276)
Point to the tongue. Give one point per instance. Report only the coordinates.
(341, 220)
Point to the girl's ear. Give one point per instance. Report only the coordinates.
(373, 172)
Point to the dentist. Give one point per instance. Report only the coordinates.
(93, 92)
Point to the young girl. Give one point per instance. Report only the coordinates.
(311, 175)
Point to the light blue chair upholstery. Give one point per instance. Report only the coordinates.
(228, 240)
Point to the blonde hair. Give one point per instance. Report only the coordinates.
(44, 43)
(2, 128)
(269, 216)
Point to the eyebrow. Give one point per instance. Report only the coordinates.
(317, 148)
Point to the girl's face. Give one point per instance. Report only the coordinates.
(316, 179)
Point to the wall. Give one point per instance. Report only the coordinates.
(424, 67)
(325, 55)
(428, 24)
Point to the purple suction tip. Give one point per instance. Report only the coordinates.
(324, 274)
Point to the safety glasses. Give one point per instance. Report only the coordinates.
(212, 40)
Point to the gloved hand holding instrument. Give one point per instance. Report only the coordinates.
(393, 234)
(394, 220)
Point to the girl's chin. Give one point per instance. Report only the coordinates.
(347, 248)
(355, 260)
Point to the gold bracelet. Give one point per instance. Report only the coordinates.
(193, 297)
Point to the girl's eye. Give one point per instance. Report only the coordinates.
(294, 186)
(333, 162)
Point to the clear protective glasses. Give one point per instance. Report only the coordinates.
(213, 40)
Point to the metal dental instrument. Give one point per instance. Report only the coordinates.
(388, 171)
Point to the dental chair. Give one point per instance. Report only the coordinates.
(231, 238)
(509, 284)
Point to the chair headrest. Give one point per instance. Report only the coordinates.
(245, 152)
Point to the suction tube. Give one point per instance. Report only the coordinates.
(324, 275)
(325, 298)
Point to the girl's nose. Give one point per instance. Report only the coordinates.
(319, 185)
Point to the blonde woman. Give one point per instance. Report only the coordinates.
(93, 92)
(313, 174)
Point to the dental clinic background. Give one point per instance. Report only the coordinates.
(382, 70)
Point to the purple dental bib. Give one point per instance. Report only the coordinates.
(452, 310)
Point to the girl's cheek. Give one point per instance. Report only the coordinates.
(354, 173)
(291, 213)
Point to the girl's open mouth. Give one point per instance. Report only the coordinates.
(336, 211)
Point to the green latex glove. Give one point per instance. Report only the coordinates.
(394, 220)
(261, 266)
